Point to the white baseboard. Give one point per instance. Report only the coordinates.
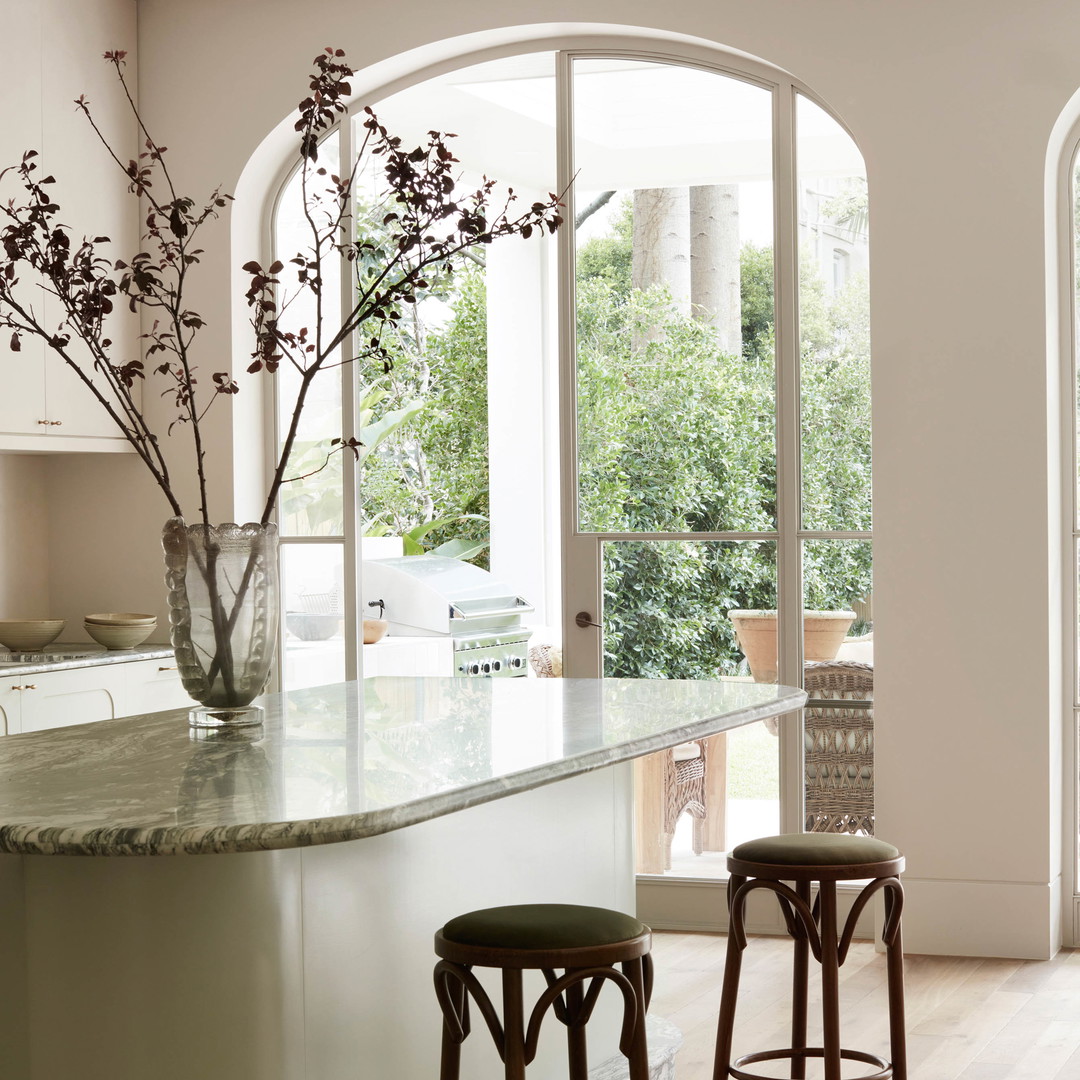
(1017, 920)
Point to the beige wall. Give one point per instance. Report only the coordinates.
(952, 104)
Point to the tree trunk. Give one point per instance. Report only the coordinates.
(661, 253)
(714, 261)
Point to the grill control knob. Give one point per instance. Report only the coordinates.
(516, 662)
(485, 667)
(473, 669)
(496, 665)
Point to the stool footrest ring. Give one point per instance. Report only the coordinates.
(885, 1069)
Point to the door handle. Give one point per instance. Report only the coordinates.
(584, 619)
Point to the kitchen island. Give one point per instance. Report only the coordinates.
(355, 821)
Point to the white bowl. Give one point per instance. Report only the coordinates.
(119, 637)
(29, 635)
(121, 618)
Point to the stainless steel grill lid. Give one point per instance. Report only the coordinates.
(429, 595)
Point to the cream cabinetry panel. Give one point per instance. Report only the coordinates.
(52, 699)
(56, 699)
(409, 656)
(43, 405)
(153, 686)
(11, 691)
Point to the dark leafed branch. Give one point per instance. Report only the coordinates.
(427, 223)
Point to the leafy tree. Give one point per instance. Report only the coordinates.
(675, 435)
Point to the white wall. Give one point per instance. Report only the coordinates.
(24, 539)
(952, 105)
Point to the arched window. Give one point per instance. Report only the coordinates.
(659, 417)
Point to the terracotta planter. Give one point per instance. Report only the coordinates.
(823, 634)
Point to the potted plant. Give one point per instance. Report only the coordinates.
(222, 577)
(823, 634)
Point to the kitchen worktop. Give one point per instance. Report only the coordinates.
(64, 657)
(342, 762)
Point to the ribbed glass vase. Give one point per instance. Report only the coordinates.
(223, 613)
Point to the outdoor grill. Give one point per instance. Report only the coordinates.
(432, 596)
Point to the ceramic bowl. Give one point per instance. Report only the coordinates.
(121, 618)
(119, 636)
(29, 635)
(375, 630)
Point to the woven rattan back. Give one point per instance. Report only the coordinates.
(839, 747)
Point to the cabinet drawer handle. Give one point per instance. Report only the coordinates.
(45, 422)
(57, 423)
(28, 686)
(173, 668)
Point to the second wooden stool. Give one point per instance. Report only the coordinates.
(805, 858)
(585, 943)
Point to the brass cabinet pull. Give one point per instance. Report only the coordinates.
(28, 686)
(173, 668)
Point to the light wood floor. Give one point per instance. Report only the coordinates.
(967, 1019)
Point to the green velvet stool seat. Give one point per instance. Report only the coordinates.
(584, 943)
(803, 859)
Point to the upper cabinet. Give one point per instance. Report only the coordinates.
(55, 53)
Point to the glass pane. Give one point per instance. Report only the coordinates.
(312, 577)
(311, 502)
(425, 466)
(674, 287)
(834, 323)
(666, 607)
(838, 646)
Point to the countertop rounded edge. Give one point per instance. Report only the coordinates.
(175, 840)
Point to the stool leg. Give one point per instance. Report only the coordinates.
(830, 979)
(513, 1025)
(730, 992)
(800, 989)
(894, 953)
(450, 1061)
(634, 970)
(575, 1032)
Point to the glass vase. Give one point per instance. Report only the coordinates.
(223, 615)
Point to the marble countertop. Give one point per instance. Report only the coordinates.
(342, 762)
(81, 655)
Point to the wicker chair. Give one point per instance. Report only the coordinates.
(839, 747)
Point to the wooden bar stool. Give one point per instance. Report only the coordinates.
(825, 858)
(585, 943)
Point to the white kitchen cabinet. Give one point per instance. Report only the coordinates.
(153, 686)
(54, 699)
(409, 656)
(43, 406)
(11, 691)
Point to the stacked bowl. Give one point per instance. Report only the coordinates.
(120, 629)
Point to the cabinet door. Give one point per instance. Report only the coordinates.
(64, 698)
(409, 656)
(22, 404)
(11, 691)
(153, 686)
(71, 406)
